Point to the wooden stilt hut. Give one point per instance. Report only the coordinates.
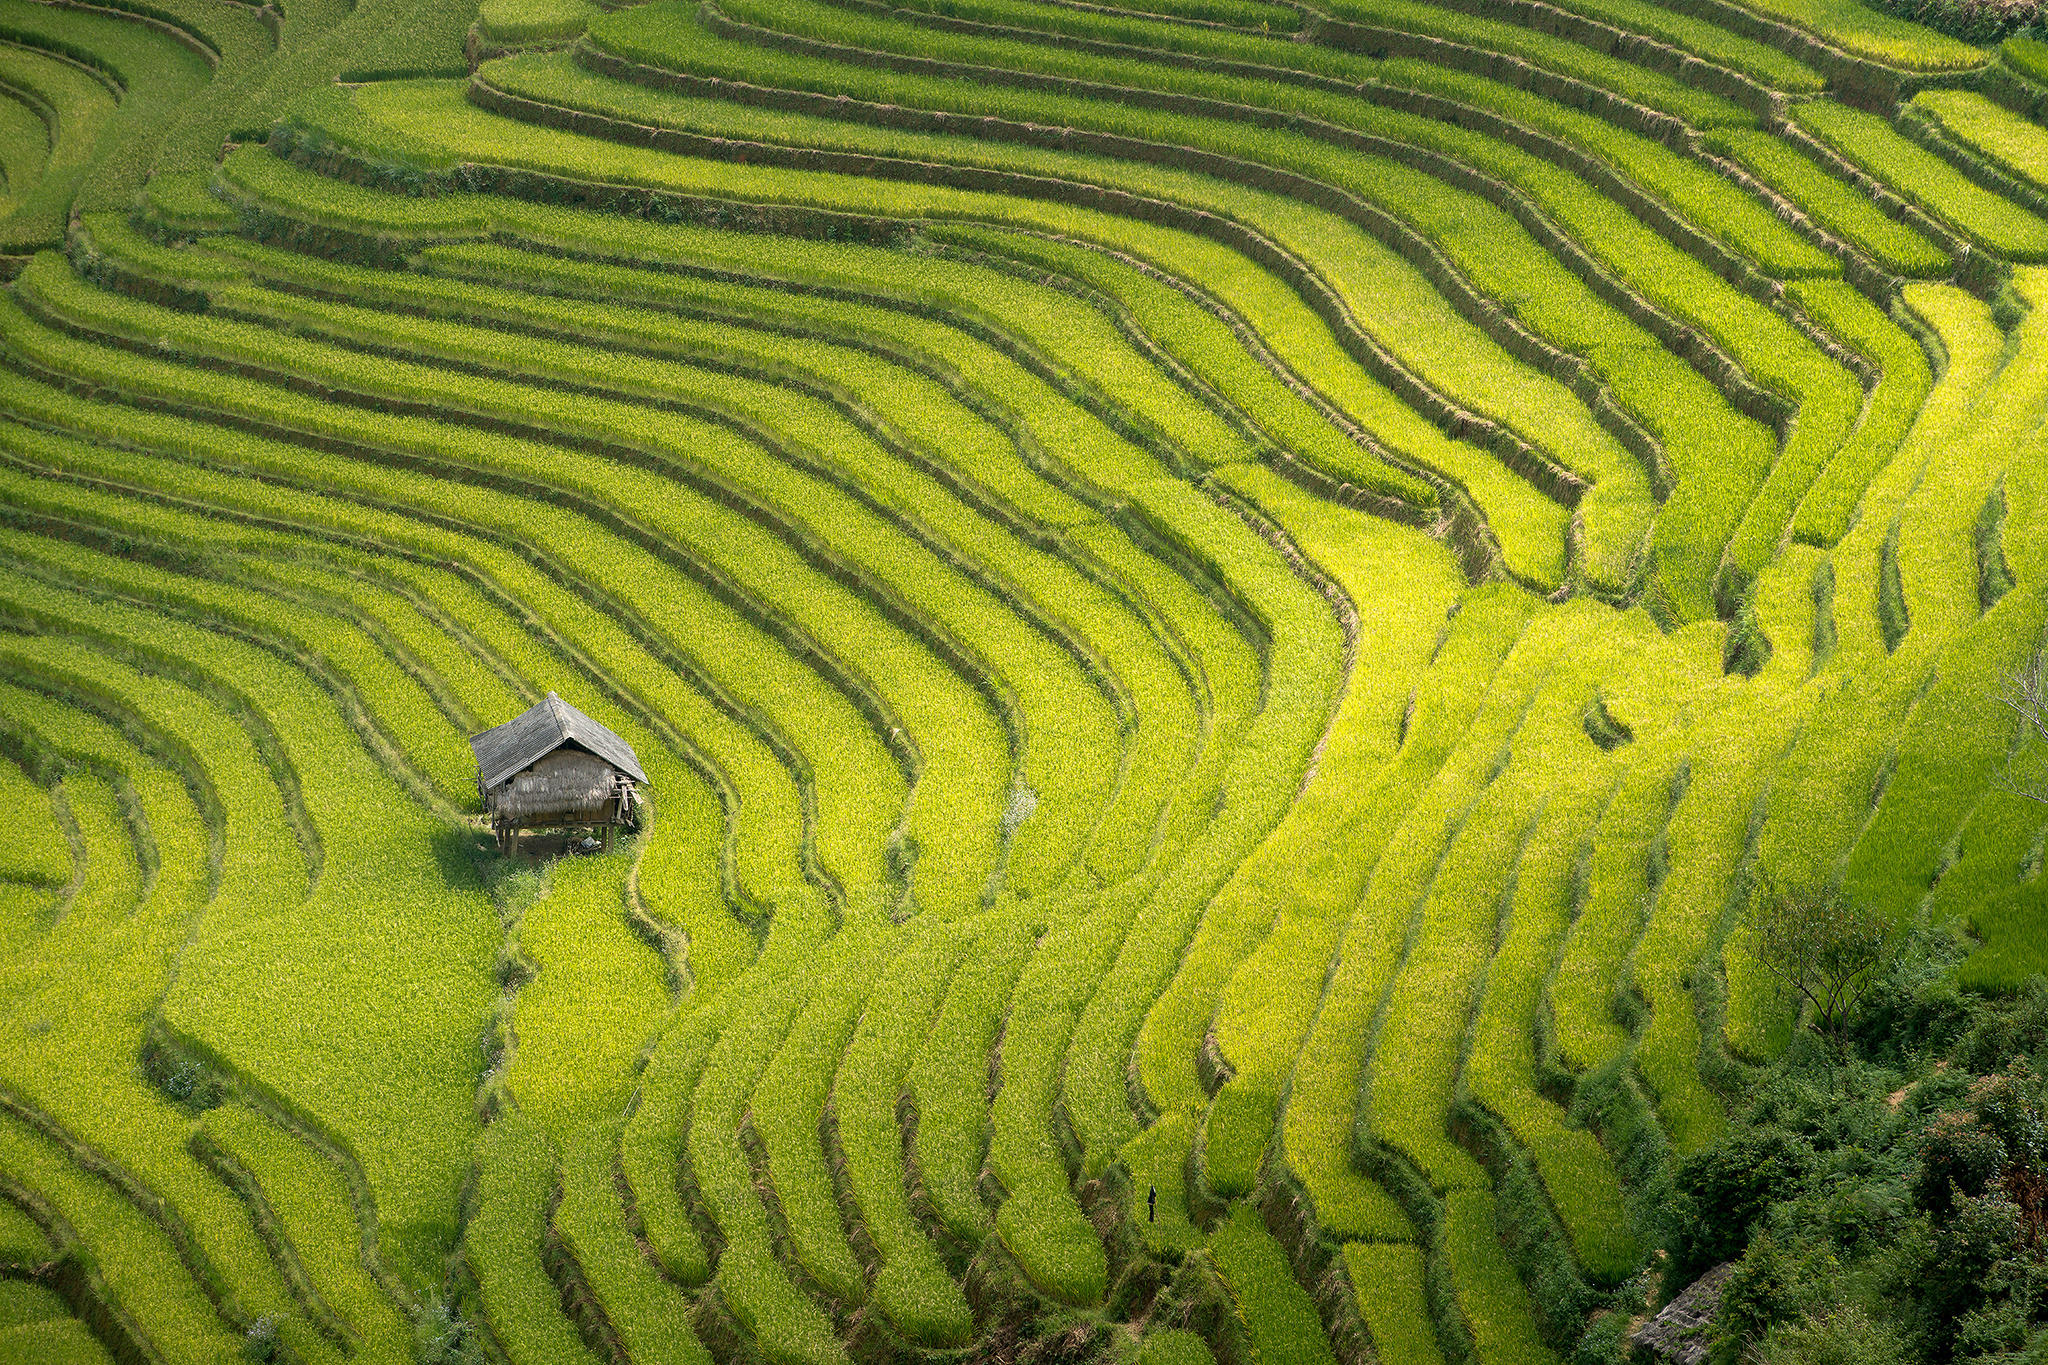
(555, 768)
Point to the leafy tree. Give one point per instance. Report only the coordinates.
(2025, 694)
(1822, 947)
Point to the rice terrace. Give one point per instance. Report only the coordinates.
(1002, 682)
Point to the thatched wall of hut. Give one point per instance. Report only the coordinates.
(566, 787)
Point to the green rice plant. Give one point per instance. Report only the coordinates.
(905, 401)
(1205, 343)
(1316, 1128)
(1490, 1299)
(1274, 744)
(2020, 542)
(1460, 825)
(516, 1174)
(1925, 180)
(154, 76)
(911, 1287)
(24, 150)
(1702, 37)
(949, 1076)
(336, 745)
(247, 826)
(1823, 790)
(1898, 398)
(1975, 350)
(1643, 377)
(2009, 953)
(1297, 156)
(610, 641)
(85, 106)
(930, 282)
(749, 1281)
(517, 23)
(1263, 1014)
(1157, 1160)
(717, 940)
(1991, 130)
(398, 706)
(1994, 862)
(1867, 32)
(1659, 91)
(1832, 203)
(314, 1208)
(1627, 848)
(1530, 527)
(192, 129)
(854, 461)
(651, 1142)
(56, 1341)
(459, 679)
(664, 38)
(712, 928)
(1947, 753)
(1374, 282)
(1933, 549)
(108, 241)
(24, 1301)
(658, 505)
(1174, 1346)
(1307, 865)
(1730, 760)
(1196, 426)
(2028, 56)
(1833, 404)
(406, 1116)
(791, 1096)
(580, 1025)
(254, 182)
(24, 910)
(136, 1261)
(426, 41)
(40, 851)
(912, 403)
(1243, 14)
(596, 998)
(1277, 1312)
(324, 42)
(22, 1243)
(82, 989)
(642, 1307)
(1500, 1066)
(1040, 1222)
(1387, 1282)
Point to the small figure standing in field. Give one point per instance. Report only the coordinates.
(1151, 1203)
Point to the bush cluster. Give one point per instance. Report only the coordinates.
(1974, 21)
(1888, 1202)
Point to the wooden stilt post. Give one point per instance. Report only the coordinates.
(608, 838)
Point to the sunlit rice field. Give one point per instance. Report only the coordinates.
(1224, 603)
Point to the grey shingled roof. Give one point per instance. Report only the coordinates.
(523, 740)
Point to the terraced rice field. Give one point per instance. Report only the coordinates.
(1224, 602)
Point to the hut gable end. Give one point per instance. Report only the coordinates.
(552, 724)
